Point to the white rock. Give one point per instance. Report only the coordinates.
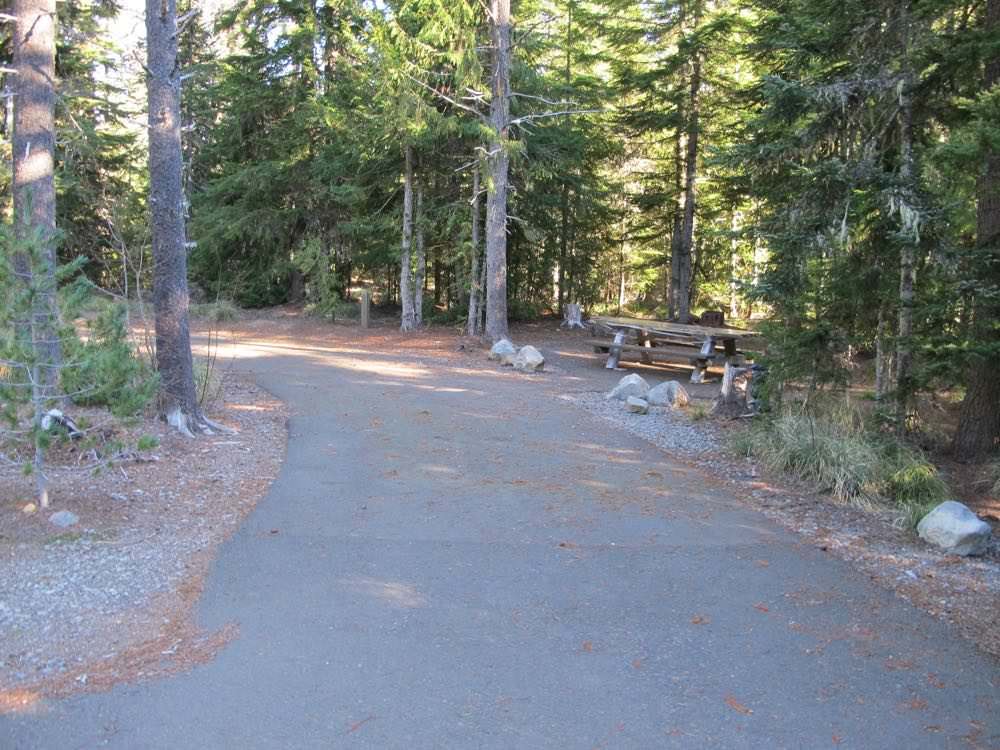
(501, 349)
(670, 394)
(630, 385)
(955, 529)
(529, 359)
(636, 405)
(64, 519)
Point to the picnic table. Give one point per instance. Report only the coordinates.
(700, 346)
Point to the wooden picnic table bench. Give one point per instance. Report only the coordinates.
(700, 346)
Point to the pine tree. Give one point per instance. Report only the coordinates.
(979, 422)
(178, 400)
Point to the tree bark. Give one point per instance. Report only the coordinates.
(499, 164)
(907, 254)
(472, 324)
(409, 320)
(421, 273)
(686, 244)
(882, 361)
(178, 400)
(33, 151)
(979, 417)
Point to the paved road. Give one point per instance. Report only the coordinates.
(457, 567)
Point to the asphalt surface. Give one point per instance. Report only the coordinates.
(463, 560)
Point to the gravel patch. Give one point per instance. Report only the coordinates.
(668, 429)
(111, 597)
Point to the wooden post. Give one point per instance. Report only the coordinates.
(366, 299)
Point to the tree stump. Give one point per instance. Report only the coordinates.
(572, 316)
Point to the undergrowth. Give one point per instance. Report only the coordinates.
(220, 311)
(837, 452)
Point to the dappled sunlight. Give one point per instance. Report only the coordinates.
(251, 407)
(326, 356)
(394, 593)
(606, 449)
(437, 469)
(28, 702)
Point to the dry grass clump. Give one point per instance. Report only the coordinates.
(839, 454)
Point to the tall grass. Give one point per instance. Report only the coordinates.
(837, 453)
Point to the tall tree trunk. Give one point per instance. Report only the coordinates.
(421, 273)
(296, 286)
(907, 254)
(499, 164)
(475, 288)
(686, 244)
(33, 150)
(561, 300)
(979, 418)
(409, 320)
(883, 370)
(677, 222)
(178, 402)
(734, 266)
(563, 248)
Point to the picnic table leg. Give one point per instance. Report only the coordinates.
(647, 344)
(615, 352)
(701, 366)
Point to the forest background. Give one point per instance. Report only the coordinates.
(827, 171)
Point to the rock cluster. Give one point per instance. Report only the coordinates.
(670, 394)
(630, 385)
(632, 389)
(525, 359)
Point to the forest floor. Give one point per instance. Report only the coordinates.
(111, 598)
(481, 513)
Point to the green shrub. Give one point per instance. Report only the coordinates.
(522, 311)
(104, 370)
(147, 443)
(837, 454)
(220, 311)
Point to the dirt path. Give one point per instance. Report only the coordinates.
(454, 557)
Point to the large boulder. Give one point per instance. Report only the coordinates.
(630, 385)
(503, 351)
(670, 394)
(637, 405)
(955, 529)
(529, 359)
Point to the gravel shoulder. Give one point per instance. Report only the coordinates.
(110, 598)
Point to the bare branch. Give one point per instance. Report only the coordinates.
(447, 98)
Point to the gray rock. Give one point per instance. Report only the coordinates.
(955, 529)
(636, 405)
(529, 359)
(630, 385)
(501, 350)
(670, 394)
(64, 519)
